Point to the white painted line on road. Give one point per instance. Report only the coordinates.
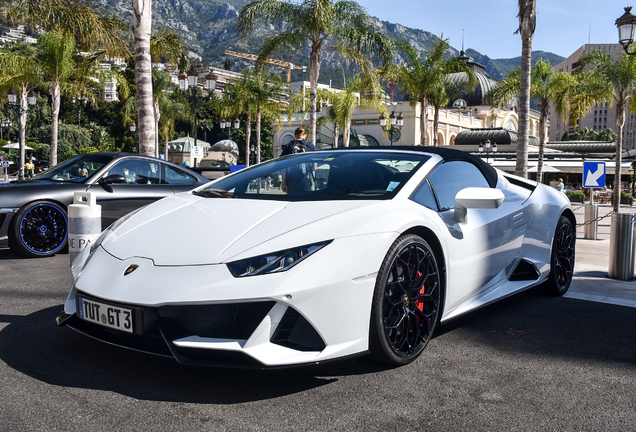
(600, 299)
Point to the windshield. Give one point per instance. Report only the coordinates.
(325, 175)
(77, 169)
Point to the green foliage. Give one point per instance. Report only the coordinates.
(71, 139)
(626, 198)
(586, 134)
(43, 152)
(87, 150)
(575, 196)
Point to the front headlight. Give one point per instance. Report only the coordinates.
(274, 262)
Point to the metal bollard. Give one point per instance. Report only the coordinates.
(590, 229)
(84, 223)
(622, 247)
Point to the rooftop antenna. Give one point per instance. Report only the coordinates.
(462, 39)
(589, 34)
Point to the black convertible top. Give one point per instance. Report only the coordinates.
(448, 154)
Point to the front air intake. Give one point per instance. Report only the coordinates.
(295, 332)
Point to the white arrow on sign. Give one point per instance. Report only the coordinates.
(591, 178)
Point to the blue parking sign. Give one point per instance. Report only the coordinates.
(594, 174)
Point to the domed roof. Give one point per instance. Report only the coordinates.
(485, 81)
(225, 146)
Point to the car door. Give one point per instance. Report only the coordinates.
(146, 181)
(486, 244)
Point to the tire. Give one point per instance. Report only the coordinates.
(405, 304)
(39, 229)
(561, 259)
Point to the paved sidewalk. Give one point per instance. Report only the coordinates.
(590, 280)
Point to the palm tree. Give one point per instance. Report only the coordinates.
(161, 83)
(142, 21)
(55, 56)
(239, 101)
(68, 22)
(20, 70)
(448, 90)
(614, 81)
(527, 23)
(342, 26)
(256, 94)
(266, 90)
(90, 27)
(423, 78)
(550, 87)
(172, 109)
(361, 93)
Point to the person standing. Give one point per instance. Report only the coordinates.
(299, 144)
(301, 178)
(29, 168)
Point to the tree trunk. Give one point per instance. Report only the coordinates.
(314, 71)
(336, 134)
(248, 135)
(543, 133)
(423, 119)
(55, 114)
(346, 133)
(620, 122)
(143, 76)
(527, 23)
(165, 148)
(435, 125)
(157, 118)
(258, 134)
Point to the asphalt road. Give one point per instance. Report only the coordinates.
(529, 363)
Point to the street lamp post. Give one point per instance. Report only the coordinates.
(13, 101)
(394, 126)
(79, 103)
(133, 129)
(488, 148)
(626, 25)
(252, 155)
(191, 79)
(226, 123)
(6, 124)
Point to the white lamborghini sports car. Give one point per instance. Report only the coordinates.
(320, 256)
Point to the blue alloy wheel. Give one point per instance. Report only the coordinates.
(40, 229)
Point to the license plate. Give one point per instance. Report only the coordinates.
(107, 315)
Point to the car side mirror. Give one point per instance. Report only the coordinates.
(112, 179)
(476, 198)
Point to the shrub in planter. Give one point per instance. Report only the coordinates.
(575, 196)
(626, 198)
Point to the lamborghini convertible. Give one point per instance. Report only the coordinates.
(321, 256)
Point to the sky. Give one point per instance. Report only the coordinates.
(563, 26)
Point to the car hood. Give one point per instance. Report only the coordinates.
(189, 230)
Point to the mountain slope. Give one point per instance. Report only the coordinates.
(209, 28)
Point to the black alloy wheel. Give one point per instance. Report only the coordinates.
(406, 302)
(561, 258)
(39, 229)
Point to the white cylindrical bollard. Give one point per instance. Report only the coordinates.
(84, 223)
